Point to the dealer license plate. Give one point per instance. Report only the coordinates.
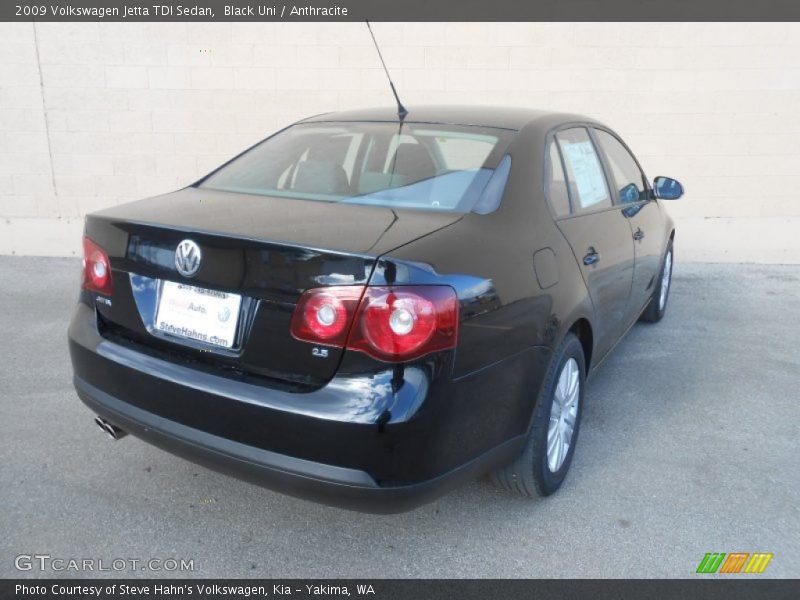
(198, 314)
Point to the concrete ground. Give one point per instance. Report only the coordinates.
(689, 445)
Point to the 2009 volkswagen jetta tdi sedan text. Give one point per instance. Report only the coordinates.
(366, 310)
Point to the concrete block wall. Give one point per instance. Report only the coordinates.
(93, 115)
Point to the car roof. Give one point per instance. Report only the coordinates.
(487, 116)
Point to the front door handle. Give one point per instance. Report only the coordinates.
(591, 258)
(639, 235)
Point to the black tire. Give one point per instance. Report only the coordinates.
(530, 474)
(655, 310)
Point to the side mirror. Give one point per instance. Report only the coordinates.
(666, 188)
(629, 194)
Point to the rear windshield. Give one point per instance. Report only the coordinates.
(420, 166)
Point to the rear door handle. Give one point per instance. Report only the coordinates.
(639, 235)
(591, 258)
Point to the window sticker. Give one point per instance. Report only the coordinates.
(589, 178)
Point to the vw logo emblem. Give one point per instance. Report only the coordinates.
(187, 258)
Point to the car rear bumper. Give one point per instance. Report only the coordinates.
(334, 445)
(328, 484)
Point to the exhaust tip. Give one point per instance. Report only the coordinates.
(112, 431)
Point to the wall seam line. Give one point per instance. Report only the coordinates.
(46, 121)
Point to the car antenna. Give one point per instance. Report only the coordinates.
(401, 110)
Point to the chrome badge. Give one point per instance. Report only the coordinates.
(187, 258)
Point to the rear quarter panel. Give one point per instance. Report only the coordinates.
(509, 322)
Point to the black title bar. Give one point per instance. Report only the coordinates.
(713, 588)
(400, 10)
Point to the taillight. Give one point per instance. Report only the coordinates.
(402, 323)
(323, 316)
(96, 268)
(392, 324)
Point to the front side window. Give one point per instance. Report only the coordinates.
(585, 177)
(419, 166)
(629, 179)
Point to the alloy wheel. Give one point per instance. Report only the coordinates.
(563, 415)
(665, 281)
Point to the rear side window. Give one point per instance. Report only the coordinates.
(629, 179)
(556, 182)
(585, 177)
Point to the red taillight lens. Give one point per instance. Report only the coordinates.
(389, 323)
(96, 268)
(404, 323)
(323, 316)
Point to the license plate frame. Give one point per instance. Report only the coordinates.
(197, 315)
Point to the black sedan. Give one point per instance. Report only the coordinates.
(366, 309)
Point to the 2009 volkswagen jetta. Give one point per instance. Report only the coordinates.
(366, 310)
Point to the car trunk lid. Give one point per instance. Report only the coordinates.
(266, 250)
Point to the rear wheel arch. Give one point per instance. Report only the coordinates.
(582, 329)
(533, 473)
